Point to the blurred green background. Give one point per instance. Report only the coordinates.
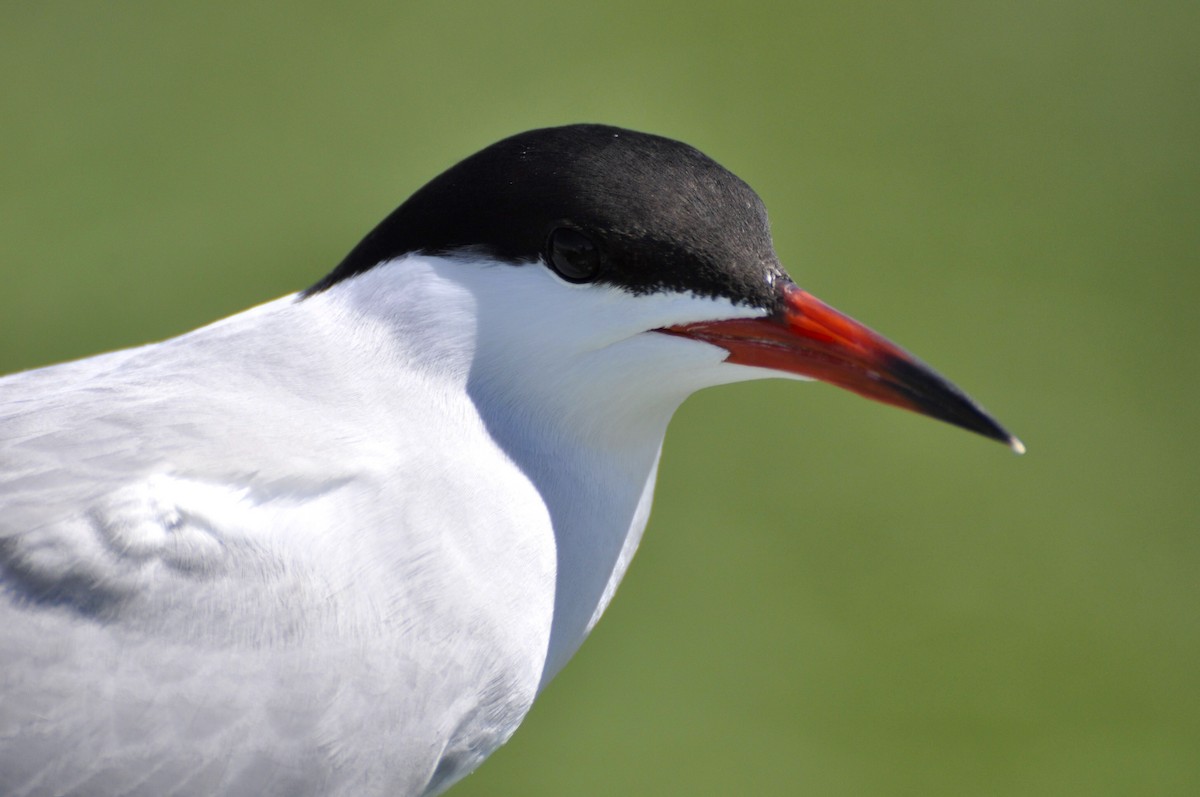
(833, 597)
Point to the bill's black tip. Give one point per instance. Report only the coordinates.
(938, 398)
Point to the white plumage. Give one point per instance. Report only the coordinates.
(336, 544)
(308, 549)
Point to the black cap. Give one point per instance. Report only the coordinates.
(663, 215)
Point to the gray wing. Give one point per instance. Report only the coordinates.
(133, 580)
(214, 581)
(162, 628)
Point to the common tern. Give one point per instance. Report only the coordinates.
(337, 544)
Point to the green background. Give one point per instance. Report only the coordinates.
(833, 597)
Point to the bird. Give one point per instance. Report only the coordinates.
(338, 543)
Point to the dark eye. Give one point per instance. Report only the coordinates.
(573, 255)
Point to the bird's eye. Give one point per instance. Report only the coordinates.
(573, 255)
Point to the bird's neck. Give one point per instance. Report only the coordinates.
(599, 497)
(583, 420)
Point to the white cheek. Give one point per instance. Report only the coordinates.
(524, 330)
(583, 317)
